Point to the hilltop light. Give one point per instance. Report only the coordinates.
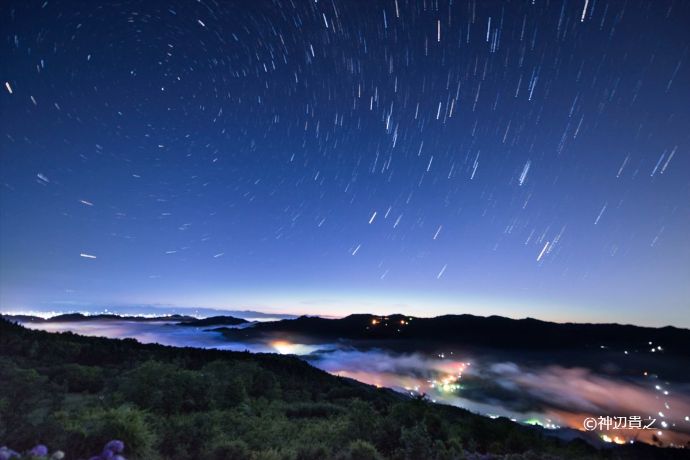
(533, 421)
(447, 384)
(284, 347)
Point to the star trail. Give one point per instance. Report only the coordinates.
(522, 158)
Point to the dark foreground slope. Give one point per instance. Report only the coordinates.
(75, 393)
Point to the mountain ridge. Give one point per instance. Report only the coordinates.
(490, 331)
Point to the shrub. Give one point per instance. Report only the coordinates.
(88, 431)
(229, 450)
(309, 409)
(165, 388)
(360, 450)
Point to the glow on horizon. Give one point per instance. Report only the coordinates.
(334, 305)
(331, 305)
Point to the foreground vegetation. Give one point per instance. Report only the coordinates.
(76, 393)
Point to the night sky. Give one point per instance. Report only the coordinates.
(525, 158)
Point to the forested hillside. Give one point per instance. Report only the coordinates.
(76, 393)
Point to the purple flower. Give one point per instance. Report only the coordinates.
(116, 446)
(6, 453)
(39, 451)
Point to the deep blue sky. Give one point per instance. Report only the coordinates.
(516, 158)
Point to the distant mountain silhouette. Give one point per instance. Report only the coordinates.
(492, 331)
(214, 321)
(76, 317)
(23, 318)
(406, 332)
